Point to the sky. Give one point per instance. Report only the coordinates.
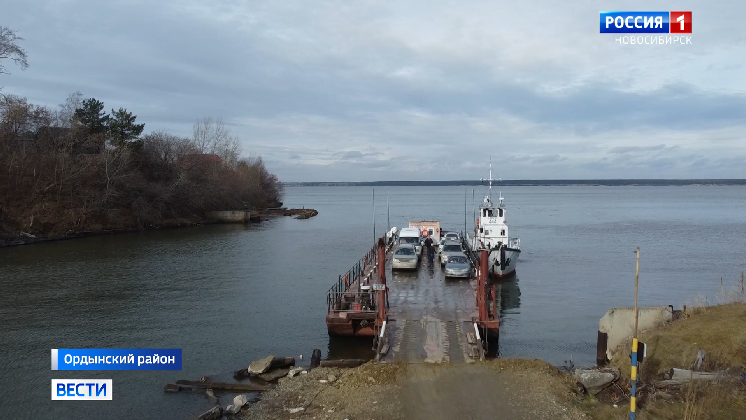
(358, 90)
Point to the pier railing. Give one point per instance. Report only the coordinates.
(346, 280)
(353, 301)
(360, 269)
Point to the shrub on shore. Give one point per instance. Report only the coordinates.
(77, 169)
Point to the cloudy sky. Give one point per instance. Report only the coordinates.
(357, 90)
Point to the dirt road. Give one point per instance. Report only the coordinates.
(501, 389)
(478, 391)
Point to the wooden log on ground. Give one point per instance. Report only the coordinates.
(342, 363)
(172, 388)
(215, 413)
(183, 385)
(315, 359)
(685, 375)
(666, 384)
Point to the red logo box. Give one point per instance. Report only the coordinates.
(680, 22)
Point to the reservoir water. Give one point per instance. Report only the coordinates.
(229, 294)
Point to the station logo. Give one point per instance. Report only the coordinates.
(646, 22)
(82, 389)
(681, 22)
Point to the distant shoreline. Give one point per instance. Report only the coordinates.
(529, 183)
(24, 238)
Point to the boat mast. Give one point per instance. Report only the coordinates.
(490, 172)
(490, 190)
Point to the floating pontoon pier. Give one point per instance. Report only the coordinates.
(417, 316)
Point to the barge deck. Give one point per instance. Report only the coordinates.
(425, 318)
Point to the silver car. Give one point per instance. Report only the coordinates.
(405, 257)
(449, 248)
(451, 236)
(458, 266)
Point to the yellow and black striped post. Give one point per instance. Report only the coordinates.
(633, 374)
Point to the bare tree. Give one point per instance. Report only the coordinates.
(9, 49)
(115, 165)
(66, 114)
(211, 136)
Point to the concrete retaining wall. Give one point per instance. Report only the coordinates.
(619, 323)
(229, 216)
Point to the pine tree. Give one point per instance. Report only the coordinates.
(92, 116)
(122, 128)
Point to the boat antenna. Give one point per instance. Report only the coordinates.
(374, 215)
(490, 172)
(489, 193)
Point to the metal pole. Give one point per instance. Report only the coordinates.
(388, 212)
(374, 215)
(464, 213)
(633, 374)
(473, 220)
(637, 281)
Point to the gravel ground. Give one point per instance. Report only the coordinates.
(512, 388)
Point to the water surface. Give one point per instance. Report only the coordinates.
(229, 294)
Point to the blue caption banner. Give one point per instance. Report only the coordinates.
(116, 359)
(634, 22)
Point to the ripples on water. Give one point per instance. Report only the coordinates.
(230, 294)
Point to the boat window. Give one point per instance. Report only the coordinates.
(430, 232)
(502, 232)
(500, 212)
(405, 250)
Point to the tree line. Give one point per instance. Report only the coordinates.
(77, 168)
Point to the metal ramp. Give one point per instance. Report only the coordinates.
(430, 316)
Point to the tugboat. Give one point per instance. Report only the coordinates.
(491, 234)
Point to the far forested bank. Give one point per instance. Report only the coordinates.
(78, 170)
(526, 183)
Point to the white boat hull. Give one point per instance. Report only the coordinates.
(511, 260)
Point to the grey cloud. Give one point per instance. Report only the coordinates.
(629, 149)
(549, 158)
(350, 155)
(395, 87)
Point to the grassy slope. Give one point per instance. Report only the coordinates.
(721, 332)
